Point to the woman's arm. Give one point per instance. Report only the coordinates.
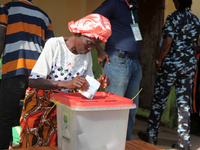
(164, 50)
(45, 84)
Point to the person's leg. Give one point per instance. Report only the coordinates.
(163, 85)
(11, 92)
(11, 141)
(118, 74)
(131, 91)
(183, 93)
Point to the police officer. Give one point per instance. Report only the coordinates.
(176, 67)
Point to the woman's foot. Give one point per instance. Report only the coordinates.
(10, 147)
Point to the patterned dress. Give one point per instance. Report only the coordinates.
(178, 69)
(38, 119)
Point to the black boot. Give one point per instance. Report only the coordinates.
(146, 138)
(177, 147)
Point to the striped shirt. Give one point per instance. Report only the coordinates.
(27, 29)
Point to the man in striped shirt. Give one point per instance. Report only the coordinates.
(24, 28)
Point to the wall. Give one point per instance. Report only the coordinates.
(63, 11)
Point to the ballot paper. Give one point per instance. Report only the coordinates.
(92, 89)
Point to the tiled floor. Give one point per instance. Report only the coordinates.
(166, 136)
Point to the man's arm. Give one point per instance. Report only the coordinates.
(108, 9)
(2, 38)
(102, 56)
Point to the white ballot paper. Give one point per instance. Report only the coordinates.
(92, 89)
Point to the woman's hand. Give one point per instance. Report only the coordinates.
(158, 63)
(164, 50)
(104, 80)
(78, 82)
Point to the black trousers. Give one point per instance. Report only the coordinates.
(11, 91)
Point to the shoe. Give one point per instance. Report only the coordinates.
(177, 147)
(146, 138)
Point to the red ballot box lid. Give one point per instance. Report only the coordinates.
(100, 100)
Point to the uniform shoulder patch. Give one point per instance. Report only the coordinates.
(167, 23)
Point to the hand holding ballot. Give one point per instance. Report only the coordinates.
(78, 82)
(83, 83)
(102, 81)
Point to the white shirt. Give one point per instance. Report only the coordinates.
(58, 63)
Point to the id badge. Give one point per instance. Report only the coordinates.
(136, 32)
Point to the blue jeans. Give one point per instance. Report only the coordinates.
(125, 75)
(12, 90)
